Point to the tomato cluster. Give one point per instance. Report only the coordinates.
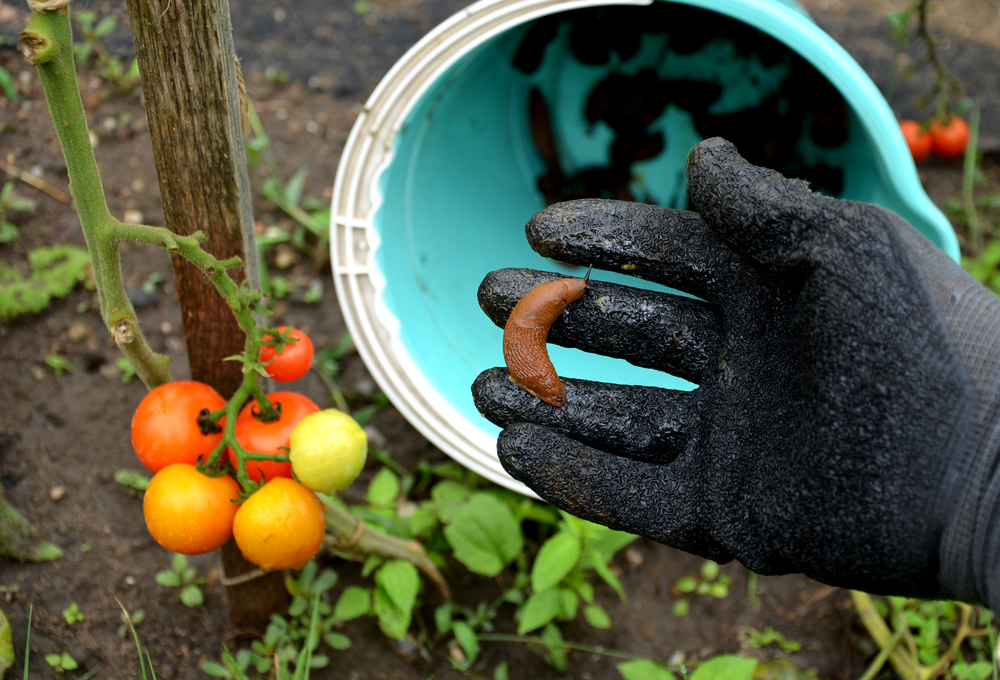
(946, 140)
(278, 521)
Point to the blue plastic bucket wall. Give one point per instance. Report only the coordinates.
(441, 174)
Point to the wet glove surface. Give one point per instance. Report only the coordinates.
(844, 420)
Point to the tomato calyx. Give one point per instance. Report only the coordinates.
(207, 424)
(264, 417)
(279, 338)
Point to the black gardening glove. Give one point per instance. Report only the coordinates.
(845, 423)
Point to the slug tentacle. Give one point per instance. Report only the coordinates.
(526, 332)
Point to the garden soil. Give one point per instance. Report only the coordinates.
(62, 438)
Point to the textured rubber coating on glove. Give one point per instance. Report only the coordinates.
(830, 432)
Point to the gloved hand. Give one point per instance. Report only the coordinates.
(845, 423)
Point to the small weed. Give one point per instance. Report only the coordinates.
(112, 68)
(126, 368)
(769, 636)
(58, 364)
(135, 618)
(55, 271)
(135, 483)
(182, 576)
(707, 582)
(62, 662)
(10, 202)
(72, 614)
(7, 86)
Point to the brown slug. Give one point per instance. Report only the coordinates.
(525, 334)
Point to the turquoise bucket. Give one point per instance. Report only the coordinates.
(450, 158)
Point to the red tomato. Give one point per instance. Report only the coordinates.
(165, 425)
(950, 139)
(188, 512)
(293, 362)
(280, 526)
(259, 437)
(918, 140)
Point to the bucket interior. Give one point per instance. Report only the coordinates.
(595, 102)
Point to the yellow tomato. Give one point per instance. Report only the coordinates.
(327, 450)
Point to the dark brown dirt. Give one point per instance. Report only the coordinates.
(72, 433)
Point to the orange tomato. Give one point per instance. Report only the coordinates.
(293, 362)
(949, 139)
(918, 140)
(280, 526)
(257, 436)
(165, 425)
(189, 512)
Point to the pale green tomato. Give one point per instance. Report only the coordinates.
(327, 450)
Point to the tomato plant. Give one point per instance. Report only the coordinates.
(189, 512)
(917, 139)
(165, 427)
(328, 450)
(257, 436)
(293, 361)
(950, 138)
(280, 526)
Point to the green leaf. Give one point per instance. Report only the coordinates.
(681, 607)
(179, 563)
(442, 618)
(557, 652)
(7, 85)
(393, 621)
(604, 571)
(555, 560)
(686, 584)
(58, 364)
(337, 641)
(484, 535)
(215, 670)
(467, 639)
(191, 596)
(384, 489)
(46, 552)
(353, 602)
(977, 670)
(644, 669)
(709, 570)
(293, 190)
(570, 602)
(6, 645)
(726, 667)
(539, 610)
(400, 581)
(8, 232)
(501, 672)
(168, 579)
(596, 616)
(55, 271)
(448, 496)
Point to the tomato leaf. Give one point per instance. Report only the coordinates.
(644, 669)
(555, 560)
(539, 610)
(353, 602)
(726, 667)
(6, 645)
(484, 535)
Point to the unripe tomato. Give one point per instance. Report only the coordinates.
(328, 451)
(189, 512)
(259, 437)
(165, 425)
(293, 362)
(280, 526)
(918, 140)
(950, 139)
